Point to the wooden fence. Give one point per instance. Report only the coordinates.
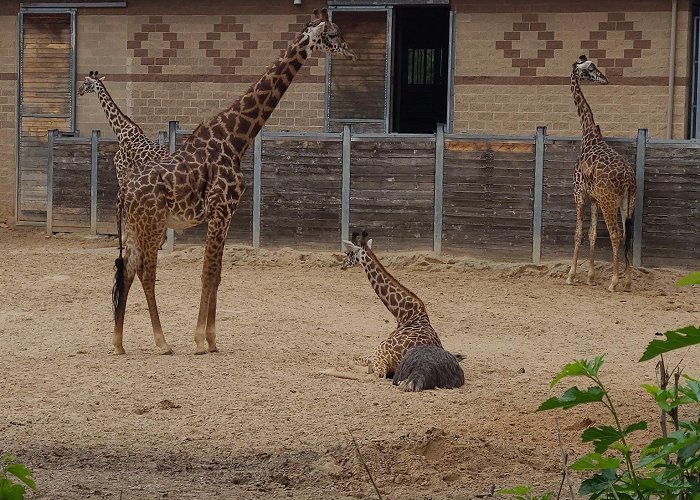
(496, 196)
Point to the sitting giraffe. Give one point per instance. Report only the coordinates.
(603, 177)
(202, 182)
(413, 326)
(135, 149)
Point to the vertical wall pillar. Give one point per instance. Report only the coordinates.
(345, 189)
(437, 203)
(173, 127)
(94, 142)
(257, 188)
(537, 195)
(639, 206)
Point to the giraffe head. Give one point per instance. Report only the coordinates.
(324, 35)
(91, 83)
(356, 250)
(586, 70)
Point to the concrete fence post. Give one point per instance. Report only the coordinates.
(639, 206)
(537, 195)
(439, 179)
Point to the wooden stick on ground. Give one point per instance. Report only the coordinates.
(362, 459)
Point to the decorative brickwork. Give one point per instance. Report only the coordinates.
(154, 59)
(631, 45)
(525, 58)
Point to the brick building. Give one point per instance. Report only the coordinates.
(495, 67)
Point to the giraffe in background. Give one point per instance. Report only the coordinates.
(135, 148)
(203, 182)
(413, 325)
(603, 177)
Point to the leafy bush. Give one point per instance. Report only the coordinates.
(666, 468)
(13, 478)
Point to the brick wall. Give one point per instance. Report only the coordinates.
(513, 66)
(189, 67)
(8, 104)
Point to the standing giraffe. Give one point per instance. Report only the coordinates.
(413, 326)
(203, 182)
(135, 149)
(603, 177)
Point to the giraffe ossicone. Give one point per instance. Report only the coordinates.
(603, 178)
(202, 182)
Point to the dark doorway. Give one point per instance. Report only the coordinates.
(421, 68)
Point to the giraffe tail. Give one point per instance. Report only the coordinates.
(118, 287)
(629, 227)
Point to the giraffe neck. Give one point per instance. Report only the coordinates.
(588, 126)
(398, 299)
(240, 123)
(121, 124)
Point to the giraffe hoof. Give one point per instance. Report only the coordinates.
(167, 352)
(199, 352)
(611, 288)
(118, 351)
(569, 281)
(214, 349)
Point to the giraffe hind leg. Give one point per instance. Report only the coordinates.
(130, 263)
(610, 214)
(592, 235)
(578, 236)
(147, 275)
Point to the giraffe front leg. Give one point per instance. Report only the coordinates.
(578, 236)
(211, 322)
(365, 361)
(592, 235)
(147, 275)
(610, 215)
(205, 332)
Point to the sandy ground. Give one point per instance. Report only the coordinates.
(260, 419)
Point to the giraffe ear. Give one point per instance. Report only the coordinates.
(102, 78)
(324, 15)
(316, 14)
(369, 243)
(351, 247)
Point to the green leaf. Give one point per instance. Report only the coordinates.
(675, 339)
(598, 483)
(689, 279)
(595, 461)
(692, 389)
(579, 368)
(22, 473)
(10, 490)
(515, 490)
(602, 437)
(573, 397)
(690, 448)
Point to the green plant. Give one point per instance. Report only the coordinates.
(13, 478)
(666, 468)
(523, 493)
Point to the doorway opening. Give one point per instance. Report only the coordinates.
(421, 62)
